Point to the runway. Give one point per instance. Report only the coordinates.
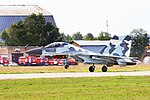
(69, 74)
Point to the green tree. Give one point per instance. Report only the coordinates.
(89, 36)
(139, 42)
(15, 35)
(34, 26)
(52, 34)
(77, 36)
(33, 31)
(67, 38)
(104, 36)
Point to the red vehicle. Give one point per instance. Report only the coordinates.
(27, 61)
(23, 61)
(57, 60)
(4, 61)
(39, 61)
(52, 61)
(60, 61)
(32, 60)
(71, 61)
(45, 60)
(42, 61)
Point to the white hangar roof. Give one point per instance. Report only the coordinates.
(22, 10)
(13, 13)
(92, 42)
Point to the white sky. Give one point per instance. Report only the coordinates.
(86, 16)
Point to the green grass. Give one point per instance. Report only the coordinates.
(77, 68)
(102, 88)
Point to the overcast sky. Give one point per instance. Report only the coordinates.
(86, 16)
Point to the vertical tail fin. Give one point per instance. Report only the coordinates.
(123, 48)
(114, 42)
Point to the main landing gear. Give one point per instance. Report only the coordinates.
(92, 68)
(104, 68)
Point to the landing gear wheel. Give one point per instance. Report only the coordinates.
(91, 68)
(66, 66)
(104, 69)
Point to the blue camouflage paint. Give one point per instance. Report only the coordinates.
(123, 48)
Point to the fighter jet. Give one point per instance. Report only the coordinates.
(120, 56)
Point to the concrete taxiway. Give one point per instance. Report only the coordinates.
(69, 74)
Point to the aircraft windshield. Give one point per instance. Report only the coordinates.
(56, 44)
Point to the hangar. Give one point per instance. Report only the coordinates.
(13, 13)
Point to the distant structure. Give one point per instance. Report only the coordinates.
(146, 55)
(13, 13)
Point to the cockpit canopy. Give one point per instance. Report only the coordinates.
(56, 44)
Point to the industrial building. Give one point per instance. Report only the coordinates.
(13, 13)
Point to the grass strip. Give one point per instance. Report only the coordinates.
(90, 88)
(78, 68)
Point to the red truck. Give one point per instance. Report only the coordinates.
(58, 61)
(4, 61)
(40, 61)
(32, 60)
(27, 61)
(52, 61)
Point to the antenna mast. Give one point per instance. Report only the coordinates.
(107, 25)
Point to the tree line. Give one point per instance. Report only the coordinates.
(89, 36)
(35, 31)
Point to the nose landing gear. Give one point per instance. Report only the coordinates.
(66, 66)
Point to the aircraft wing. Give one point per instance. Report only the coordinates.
(106, 59)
